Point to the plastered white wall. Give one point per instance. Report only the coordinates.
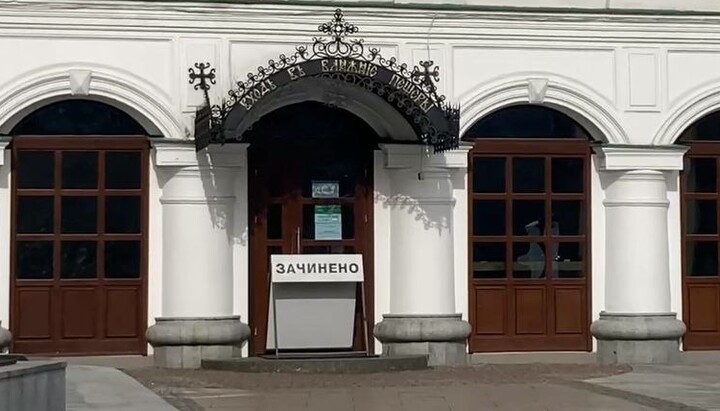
(5, 205)
(597, 239)
(155, 261)
(460, 239)
(381, 225)
(585, 57)
(241, 269)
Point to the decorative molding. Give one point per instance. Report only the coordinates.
(696, 104)
(183, 154)
(413, 155)
(143, 101)
(414, 19)
(616, 158)
(537, 87)
(80, 82)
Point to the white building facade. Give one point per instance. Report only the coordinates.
(577, 212)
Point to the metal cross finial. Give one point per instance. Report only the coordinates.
(338, 28)
(427, 76)
(203, 78)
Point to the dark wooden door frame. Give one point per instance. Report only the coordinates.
(705, 339)
(84, 143)
(504, 147)
(257, 209)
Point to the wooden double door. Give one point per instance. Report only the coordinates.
(529, 245)
(79, 245)
(308, 196)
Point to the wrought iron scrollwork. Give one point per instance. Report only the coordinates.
(413, 92)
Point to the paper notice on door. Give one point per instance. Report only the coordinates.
(328, 222)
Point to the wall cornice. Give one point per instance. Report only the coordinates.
(458, 24)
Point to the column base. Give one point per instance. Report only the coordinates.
(5, 338)
(441, 337)
(638, 338)
(185, 342)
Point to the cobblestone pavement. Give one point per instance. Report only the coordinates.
(482, 387)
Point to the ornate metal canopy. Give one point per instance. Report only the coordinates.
(411, 92)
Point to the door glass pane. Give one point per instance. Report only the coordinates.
(489, 175)
(568, 260)
(567, 175)
(122, 214)
(702, 258)
(529, 260)
(79, 169)
(35, 215)
(567, 218)
(36, 169)
(79, 215)
(122, 170)
(701, 216)
(79, 259)
(529, 217)
(702, 175)
(489, 260)
(274, 222)
(489, 217)
(34, 260)
(528, 175)
(122, 259)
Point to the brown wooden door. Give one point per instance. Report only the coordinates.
(79, 245)
(282, 210)
(529, 248)
(701, 239)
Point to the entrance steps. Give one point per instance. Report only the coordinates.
(325, 365)
(533, 357)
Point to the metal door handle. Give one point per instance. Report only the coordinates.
(297, 240)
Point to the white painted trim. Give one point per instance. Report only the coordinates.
(635, 158)
(143, 101)
(5, 234)
(183, 154)
(415, 155)
(694, 105)
(586, 106)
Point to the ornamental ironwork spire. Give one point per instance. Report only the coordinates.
(412, 92)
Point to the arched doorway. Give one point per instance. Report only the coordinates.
(529, 231)
(700, 234)
(308, 159)
(79, 231)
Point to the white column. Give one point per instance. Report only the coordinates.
(198, 196)
(422, 268)
(421, 245)
(638, 276)
(637, 325)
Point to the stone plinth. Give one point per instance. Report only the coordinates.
(441, 337)
(185, 342)
(33, 386)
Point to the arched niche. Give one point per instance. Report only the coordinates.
(526, 121)
(78, 117)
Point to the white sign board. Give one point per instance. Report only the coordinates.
(308, 268)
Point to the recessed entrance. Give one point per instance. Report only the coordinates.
(310, 191)
(79, 237)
